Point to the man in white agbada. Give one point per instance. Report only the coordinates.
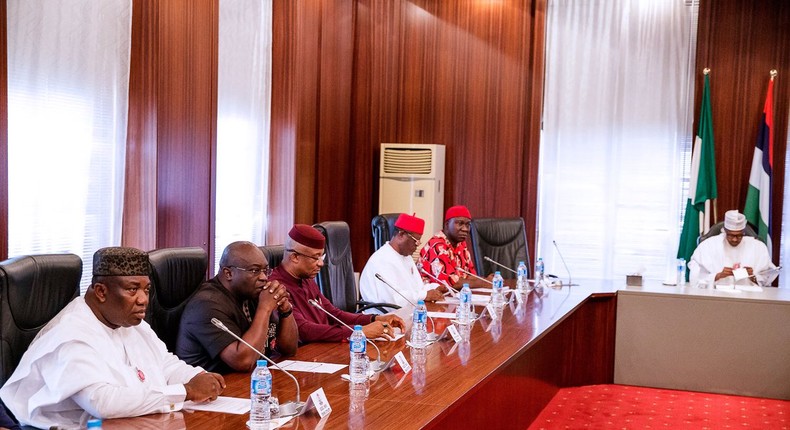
(393, 261)
(717, 258)
(98, 357)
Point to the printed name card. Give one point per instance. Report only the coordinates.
(402, 362)
(454, 333)
(318, 401)
(491, 311)
(519, 297)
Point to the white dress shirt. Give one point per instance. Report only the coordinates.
(400, 271)
(715, 253)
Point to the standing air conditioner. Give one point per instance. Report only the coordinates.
(412, 181)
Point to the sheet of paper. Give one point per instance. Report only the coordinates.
(392, 339)
(310, 366)
(749, 288)
(449, 315)
(228, 405)
(477, 299)
(488, 290)
(277, 423)
(740, 274)
(727, 289)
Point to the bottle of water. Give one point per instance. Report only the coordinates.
(94, 424)
(464, 312)
(539, 268)
(681, 275)
(418, 331)
(260, 392)
(358, 366)
(521, 280)
(498, 295)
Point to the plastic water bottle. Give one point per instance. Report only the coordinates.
(94, 424)
(464, 312)
(498, 295)
(539, 268)
(260, 392)
(418, 331)
(358, 366)
(681, 276)
(521, 279)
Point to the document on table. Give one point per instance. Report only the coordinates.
(394, 337)
(310, 366)
(489, 290)
(477, 299)
(449, 315)
(228, 405)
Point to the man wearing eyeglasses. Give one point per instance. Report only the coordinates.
(394, 263)
(251, 305)
(302, 260)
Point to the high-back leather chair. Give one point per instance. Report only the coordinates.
(336, 279)
(176, 274)
(273, 254)
(715, 230)
(383, 227)
(501, 239)
(33, 289)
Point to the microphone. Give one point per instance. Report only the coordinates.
(452, 290)
(288, 409)
(570, 282)
(378, 365)
(472, 274)
(430, 337)
(499, 264)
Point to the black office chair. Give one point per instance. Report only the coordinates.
(383, 227)
(501, 239)
(33, 289)
(336, 278)
(176, 275)
(273, 254)
(715, 230)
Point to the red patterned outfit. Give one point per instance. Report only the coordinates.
(439, 248)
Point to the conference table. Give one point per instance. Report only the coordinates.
(502, 378)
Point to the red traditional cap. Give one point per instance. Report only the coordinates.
(457, 211)
(410, 223)
(307, 236)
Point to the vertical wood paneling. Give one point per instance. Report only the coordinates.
(3, 133)
(741, 42)
(186, 107)
(139, 220)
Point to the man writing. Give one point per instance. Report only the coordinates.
(716, 259)
(251, 306)
(394, 263)
(98, 358)
(446, 251)
(302, 260)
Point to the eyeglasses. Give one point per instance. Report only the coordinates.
(416, 241)
(254, 271)
(319, 258)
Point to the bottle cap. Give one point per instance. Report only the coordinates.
(521, 262)
(466, 285)
(421, 302)
(261, 363)
(94, 423)
(357, 327)
(496, 273)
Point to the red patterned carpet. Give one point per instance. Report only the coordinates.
(627, 407)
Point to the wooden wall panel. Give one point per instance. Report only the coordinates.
(460, 74)
(741, 42)
(3, 133)
(186, 110)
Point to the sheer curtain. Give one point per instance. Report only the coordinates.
(68, 83)
(617, 135)
(243, 121)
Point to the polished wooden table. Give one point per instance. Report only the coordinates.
(501, 378)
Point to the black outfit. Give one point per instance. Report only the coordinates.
(200, 342)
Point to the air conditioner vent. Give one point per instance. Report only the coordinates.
(407, 161)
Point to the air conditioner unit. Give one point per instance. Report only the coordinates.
(411, 180)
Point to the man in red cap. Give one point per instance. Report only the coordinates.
(394, 263)
(302, 260)
(447, 250)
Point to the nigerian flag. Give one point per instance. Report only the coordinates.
(702, 181)
(758, 198)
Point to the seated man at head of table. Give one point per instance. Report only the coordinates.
(716, 258)
(243, 298)
(394, 263)
(302, 260)
(98, 357)
(446, 251)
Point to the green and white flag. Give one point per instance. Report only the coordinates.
(702, 181)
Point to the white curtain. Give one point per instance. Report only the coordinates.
(68, 84)
(617, 135)
(243, 121)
